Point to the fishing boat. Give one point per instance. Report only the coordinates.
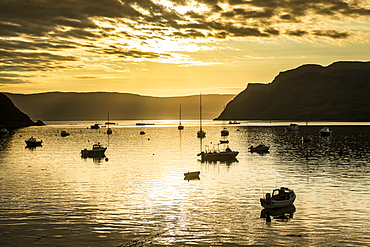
(325, 131)
(259, 148)
(180, 127)
(191, 175)
(32, 142)
(96, 151)
(200, 133)
(280, 198)
(292, 127)
(218, 155)
(64, 133)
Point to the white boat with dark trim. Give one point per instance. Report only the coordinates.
(325, 131)
(96, 151)
(280, 198)
(32, 142)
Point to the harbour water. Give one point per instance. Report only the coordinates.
(137, 195)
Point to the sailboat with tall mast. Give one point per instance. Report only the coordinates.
(109, 130)
(180, 127)
(200, 133)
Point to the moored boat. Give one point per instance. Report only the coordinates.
(292, 127)
(32, 142)
(96, 151)
(259, 148)
(191, 175)
(95, 126)
(64, 133)
(280, 198)
(325, 131)
(218, 155)
(234, 122)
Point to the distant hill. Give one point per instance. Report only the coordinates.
(10, 116)
(339, 92)
(121, 106)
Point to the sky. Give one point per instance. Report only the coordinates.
(172, 47)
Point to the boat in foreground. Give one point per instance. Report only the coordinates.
(96, 151)
(32, 142)
(280, 198)
(218, 155)
(259, 148)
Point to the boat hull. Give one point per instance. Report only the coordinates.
(33, 143)
(219, 156)
(93, 153)
(191, 175)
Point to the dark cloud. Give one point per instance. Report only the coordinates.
(33, 33)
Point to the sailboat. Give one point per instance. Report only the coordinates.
(180, 127)
(109, 130)
(200, 133)
(224, 132)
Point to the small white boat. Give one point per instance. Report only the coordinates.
(191, 175)
(96, 151)
(259, 148)
(32, 142)
(218, 155)
(292, 127)
(325, 131)
(280, 198)
(64, 133)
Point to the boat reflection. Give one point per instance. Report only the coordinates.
(215, 162)
(285, 213)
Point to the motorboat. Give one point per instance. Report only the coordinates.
(292, 127)
(259, 148)
(95, 126)
(64, 133)
(32, 142)
(96, 151)
(218, 155)
(191, 175)
(280, 198)
(325, 131)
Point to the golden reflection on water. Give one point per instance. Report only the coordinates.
(52, 196)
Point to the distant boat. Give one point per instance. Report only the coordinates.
(95, 126)
(224, 141)
(142, 132)
(325, 131)
(218, 155)
(96, 151)
(32, 142)
(259, 148)
(292, 127)
(280, 198)
(180, 127)
(191, 175)
(64, 133)
(234, 122)
(109, 130)
(200, 133)
(224, 132)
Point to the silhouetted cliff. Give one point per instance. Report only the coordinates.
(10, 116)
(338, 92)
(121, 106)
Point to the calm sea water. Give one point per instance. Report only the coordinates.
(50, 196)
